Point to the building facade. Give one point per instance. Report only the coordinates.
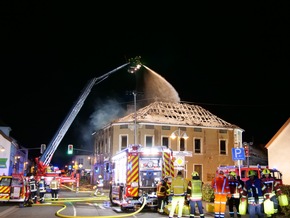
(202, 141)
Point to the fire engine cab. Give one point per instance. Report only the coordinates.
(245, 172)
(12, 188)
(135, 173)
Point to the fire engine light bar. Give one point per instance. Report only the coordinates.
(150, 150)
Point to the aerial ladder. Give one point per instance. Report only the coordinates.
(43, 162)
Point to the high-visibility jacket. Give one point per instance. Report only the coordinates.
(100, 183)
(194, 190)
(178, 186)
(54, 184)
(42, 186)
(220, 184)
(32, 185)
(161, 190)
(254, 189)
(271, 186)
(236, 188)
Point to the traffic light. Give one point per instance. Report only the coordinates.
(70, 149)
(247, 151)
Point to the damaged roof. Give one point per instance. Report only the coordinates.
(176, 114)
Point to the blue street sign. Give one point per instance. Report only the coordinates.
(238, 153)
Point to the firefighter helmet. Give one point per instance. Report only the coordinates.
(42, 177)
(31, 177)
(266, 171)
(232, 173)
(194, 173)
(100, 176)
(252, 173)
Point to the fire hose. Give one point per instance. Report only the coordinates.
(58, 213)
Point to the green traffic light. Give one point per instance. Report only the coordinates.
(70, 149)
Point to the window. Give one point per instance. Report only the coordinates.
(80, 161)
(182, 144)
(223, 131)
(197, 129)
(149, 141)
(198, 168)
(197, 146)
(165, 141)
(165, 127)
(149, 127)
(223, 147)
(124, 141)
(123, 126)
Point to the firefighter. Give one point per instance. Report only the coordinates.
(100, 186)
(220, 184)
(272, 188)
(236, 190)
(254, 189)
(161, 195)
(33, 189)
(178, 191)
(27, 201)
(41, 185)
(54, 187)
(194, 194)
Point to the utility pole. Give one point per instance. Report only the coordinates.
(135, 118)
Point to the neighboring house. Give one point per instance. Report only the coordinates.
(209, 143)
(12, 158)
(279, 150)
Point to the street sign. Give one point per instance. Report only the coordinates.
(182, 153)
(238, 153)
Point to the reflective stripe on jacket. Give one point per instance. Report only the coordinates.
(220, 184)
(235, 188)
(161, 190)
(41, 186)
(194, 190)
(254, 190)
(178, 186)
(54, 184)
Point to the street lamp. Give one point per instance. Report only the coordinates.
(2, 149)
(180, 135)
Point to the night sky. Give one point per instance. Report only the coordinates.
(232, 59)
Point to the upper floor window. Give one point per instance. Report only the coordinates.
(223, 146)
(148, 141)
(165, 141)
(223, 131)
(182, 144)
(124, 141)
(123, 126)
(197, 146)
(197, 129)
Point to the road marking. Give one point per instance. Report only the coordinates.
(100, 206)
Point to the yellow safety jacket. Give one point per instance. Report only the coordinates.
(194, 190)
(178, 186)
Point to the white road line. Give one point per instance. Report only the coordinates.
(74, 208)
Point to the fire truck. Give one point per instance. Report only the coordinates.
(245, 172)
(136, 171)
(12, 189)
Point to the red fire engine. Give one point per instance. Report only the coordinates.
(135, 172)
